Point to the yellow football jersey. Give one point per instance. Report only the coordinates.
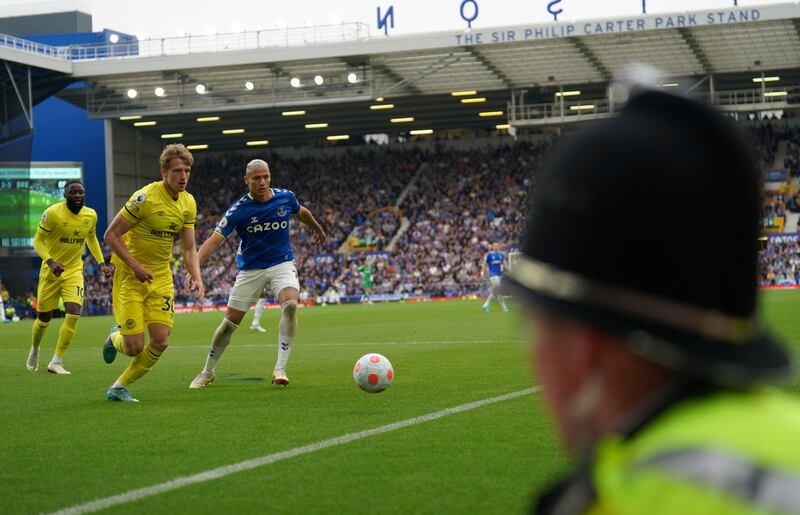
(158, 219)
(65, 234)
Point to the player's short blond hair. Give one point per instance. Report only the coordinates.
(172, 151)
(256, 163)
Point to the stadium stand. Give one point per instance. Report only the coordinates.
(425, 228)
(780, 261)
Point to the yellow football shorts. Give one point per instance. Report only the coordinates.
(69, 286)
(138, 304)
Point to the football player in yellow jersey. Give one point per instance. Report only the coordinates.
(141, 236)
(64, 230)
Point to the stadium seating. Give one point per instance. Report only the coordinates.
(780, 261)
(423, 218)
(461, 202)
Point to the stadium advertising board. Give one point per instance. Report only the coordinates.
(776, 175)
(25, 192)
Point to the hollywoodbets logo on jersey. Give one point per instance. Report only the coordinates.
(164, 234)
(171, 232)
(77, 240)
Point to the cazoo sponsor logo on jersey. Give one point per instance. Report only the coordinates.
(267, 226)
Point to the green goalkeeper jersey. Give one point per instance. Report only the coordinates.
(366, 275)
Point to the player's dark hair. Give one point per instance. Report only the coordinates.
(73, 181)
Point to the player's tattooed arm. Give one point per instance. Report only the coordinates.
(305, 216)
(192, 262)
(119, 226)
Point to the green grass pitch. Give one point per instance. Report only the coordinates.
(62, 443)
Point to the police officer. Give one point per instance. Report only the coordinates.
(639, 278)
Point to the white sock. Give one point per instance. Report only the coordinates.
(56, 360)
(259, 309)
(219, 342)
(286, 331)
(488, 300)
(502, 301)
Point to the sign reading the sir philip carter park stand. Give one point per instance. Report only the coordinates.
(565, 22)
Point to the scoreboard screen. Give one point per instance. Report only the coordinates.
(26, 190)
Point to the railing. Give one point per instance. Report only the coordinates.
(577, 110)
(558, 112)
(33, 47)
(188, 45)
(774, 96)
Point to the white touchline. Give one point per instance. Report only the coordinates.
(360, 344)
(320, 344)
(226, 470)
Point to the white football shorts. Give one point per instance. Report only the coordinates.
(494, 281)
(250, 283)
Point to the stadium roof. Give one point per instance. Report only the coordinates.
(417, 73)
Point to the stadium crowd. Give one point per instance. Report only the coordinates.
(464, 202)
(780, 261)
(773, 212)
(343, 190)
(430, 242)
(765, 137)
(792, 160)
(460, 203)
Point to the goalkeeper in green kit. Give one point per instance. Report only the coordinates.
(365, 271)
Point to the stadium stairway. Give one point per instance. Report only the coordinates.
(780, 155)
(790, 225)
(404, 222)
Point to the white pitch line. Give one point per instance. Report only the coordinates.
(226, 470)
(329, 344)
(356, 344)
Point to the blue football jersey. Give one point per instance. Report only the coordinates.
(263, 228)
(494, 260)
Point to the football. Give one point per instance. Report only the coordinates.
(373, 373)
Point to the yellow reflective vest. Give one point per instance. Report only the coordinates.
(725, 452)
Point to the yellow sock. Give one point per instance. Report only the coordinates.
(140, 365)
(38, 330)
(66, 333)
(116, 341)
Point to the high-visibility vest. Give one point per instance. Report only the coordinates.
(724, 453)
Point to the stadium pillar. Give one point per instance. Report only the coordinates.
(610, 98)
(30, 96)
(109, 156)
(711, 90)
(27, 111)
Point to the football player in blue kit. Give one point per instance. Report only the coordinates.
(261, 219)
(493, 264)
